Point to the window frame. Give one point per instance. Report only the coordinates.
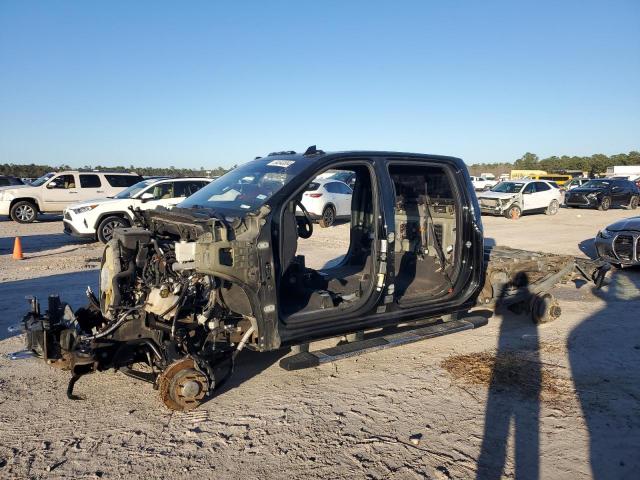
(60, 175)
(89, 175)
(137, 179)
(545, 187)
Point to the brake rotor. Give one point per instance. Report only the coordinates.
(182, 386)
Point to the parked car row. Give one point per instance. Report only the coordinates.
(513, 198)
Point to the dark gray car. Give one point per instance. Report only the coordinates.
(618, 243)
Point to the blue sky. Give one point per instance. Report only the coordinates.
(211, 83)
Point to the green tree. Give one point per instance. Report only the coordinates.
(529, 161)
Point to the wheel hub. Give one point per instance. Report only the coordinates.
(182, 386)
(108, 229)
(24, 212)
(191, 389)
(545, 308)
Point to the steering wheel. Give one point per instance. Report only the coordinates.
(305, 227)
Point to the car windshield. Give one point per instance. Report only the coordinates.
(597, 184)
(135, 188)
(508, 187)
(246, 187)
(39, 181)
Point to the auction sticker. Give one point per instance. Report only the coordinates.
(281, 163)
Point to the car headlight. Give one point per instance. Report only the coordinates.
(604, 233)
(83, 209)
(593, 196)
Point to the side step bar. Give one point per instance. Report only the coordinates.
(313, 359)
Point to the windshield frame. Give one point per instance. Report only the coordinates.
(137, 193)
(38, 182)
(247, 187)
(501, 184)
(598, 183)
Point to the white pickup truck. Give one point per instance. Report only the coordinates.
(53, 192)
(482, 183)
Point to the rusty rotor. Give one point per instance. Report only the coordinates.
(182, 385)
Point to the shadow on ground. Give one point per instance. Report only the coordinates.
(38, 243)
(43, 218)
(604, 355)
(70, 286)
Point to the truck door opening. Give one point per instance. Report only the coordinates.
(426, 232)
(308, 285)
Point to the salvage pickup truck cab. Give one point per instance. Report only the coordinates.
(188, 288)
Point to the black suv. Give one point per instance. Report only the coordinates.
(9, 181)
(604, 193)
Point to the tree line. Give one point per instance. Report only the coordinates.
(594, 164)
(35, 171)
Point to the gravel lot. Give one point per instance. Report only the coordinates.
(559, 401)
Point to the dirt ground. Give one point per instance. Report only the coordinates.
(561, 400)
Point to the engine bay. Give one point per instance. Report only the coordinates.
(162, 315)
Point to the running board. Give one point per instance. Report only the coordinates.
(313, 359)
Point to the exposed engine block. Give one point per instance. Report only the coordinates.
(156, 318)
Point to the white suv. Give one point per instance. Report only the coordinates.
(327, 199)
(98, 218)
(513, 198)
(52, 192)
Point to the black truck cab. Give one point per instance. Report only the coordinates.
(188, 288)
(415, 247)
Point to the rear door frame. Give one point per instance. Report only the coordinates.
(468, 227)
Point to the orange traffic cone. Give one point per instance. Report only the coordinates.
(17, 250)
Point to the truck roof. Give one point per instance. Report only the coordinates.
(311, 156)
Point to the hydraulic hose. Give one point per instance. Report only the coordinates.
(119, 322)
(243, 342)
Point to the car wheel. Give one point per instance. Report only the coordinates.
(328, 217)
(514, 212)
(605, 204)
(108, 225)
(553, 207)
(633, 203)
(23, 212)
